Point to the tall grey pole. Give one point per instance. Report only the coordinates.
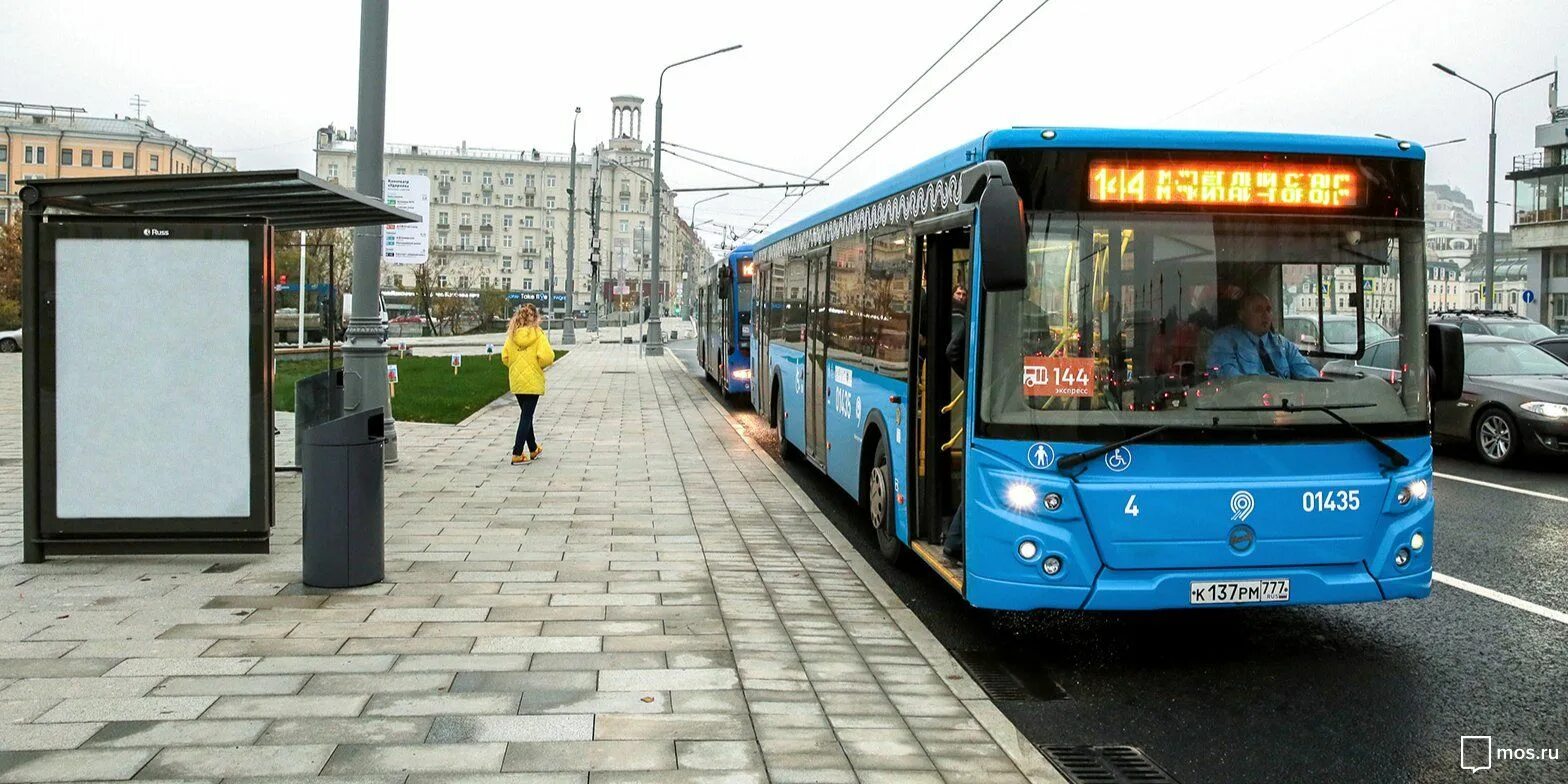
(655, 341)
(549, 244)
(364, 353)
(594, 257)
(1491, 210)
(300, 306)
(568, 331)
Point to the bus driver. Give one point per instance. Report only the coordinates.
(1251, 347)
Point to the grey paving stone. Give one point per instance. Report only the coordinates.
(206, 665)
(592, 755)
(199, 732)
(483, 729)
(498, 778)
(288, 706)
(36, 767)
(668, 680)
(65, 667)
(718, 755)
(492, 645)
(272, 665)
(268, 648)
(361, 730)
(442, 704)
(230, 761)
(408, 646)
(522, 681)
(408, 758)
(545, 701)
(454, 662)
(219, 685)
(127, 709)
(44, 737)
(378, 683)
(674, 726)
(67, 688)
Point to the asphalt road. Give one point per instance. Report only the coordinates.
(1350, 693)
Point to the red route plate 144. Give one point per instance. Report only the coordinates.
(1057, 376)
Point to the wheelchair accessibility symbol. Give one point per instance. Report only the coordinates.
(1119, 459)
(1041, 456)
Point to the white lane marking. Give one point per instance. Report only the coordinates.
(1496, 486)
(1498, 596)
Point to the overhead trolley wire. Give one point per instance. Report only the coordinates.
(766, 215)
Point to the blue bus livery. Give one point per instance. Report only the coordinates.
(724, 301)
(1064, 343)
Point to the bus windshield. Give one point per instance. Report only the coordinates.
(1139, 320)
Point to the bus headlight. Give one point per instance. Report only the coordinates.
(1053, 502)
(1027, 549)
(1021, 496)
(1417, 541)
(1052, 566)
(1548, 410)
(1417, 490)
(1401, 557)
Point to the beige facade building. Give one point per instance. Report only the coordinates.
(40, 142)
(499, 216)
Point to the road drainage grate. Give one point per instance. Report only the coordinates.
(1106, 765)
(1006, 681)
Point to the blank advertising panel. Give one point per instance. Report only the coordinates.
(153, 388)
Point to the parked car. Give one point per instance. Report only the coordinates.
(1556, 345)
(1515, 396)
(1339, 333)
(1501, 323)
(11, 341)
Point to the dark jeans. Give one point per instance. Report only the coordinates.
(953, 543)
(525, 425)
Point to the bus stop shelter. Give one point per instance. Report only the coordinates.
(147, 384)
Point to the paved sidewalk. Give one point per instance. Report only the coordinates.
(653, 601)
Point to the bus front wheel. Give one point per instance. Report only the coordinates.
(879, 504)
(787, 451)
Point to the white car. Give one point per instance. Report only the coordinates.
(10, 342)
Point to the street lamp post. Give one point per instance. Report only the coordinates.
(549, 245)
(690, 273)
(655, 340)
(1491, 174)
(568, 332)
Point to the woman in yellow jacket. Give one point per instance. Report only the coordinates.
(526, 354)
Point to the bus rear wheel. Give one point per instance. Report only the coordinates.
(879, 504)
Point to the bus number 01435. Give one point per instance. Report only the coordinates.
(1331, 500)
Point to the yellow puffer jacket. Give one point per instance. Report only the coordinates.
(520, 355)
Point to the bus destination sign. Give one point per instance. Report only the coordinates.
(1223, 183)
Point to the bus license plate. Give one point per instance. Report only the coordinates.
(1240, 591)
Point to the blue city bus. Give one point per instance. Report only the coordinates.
(1068, 338)
(724, 299)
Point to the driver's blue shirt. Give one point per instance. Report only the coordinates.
(1235, 352)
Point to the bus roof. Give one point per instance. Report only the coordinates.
(741, 250)
(1108, 138)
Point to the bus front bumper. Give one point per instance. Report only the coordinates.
(1171, 589)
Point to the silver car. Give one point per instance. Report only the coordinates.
(10, 342)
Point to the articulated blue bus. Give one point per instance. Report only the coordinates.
(1065, 344)
(724, 300)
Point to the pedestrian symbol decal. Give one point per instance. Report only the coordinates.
(1041, 456)
(1119, 459)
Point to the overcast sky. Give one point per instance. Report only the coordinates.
(811, 73)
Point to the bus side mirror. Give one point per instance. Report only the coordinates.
(1004, 236)
(1445, 348)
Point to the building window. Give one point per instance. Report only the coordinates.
(484, 220)
(463, 241)
(528, 221)
(442, 218)
(528, 180)
(468, 177)
(549, 221)
(506, 283)
(626, 206)
(152, 162)
(65, 156)
(487, 179)
(424, 172)
(402, 170)
(441, 240)
(549, 202)
(528, 242)
(3, 154)
(485, 199)
(506, 241)
(549, 182)
(528, 200)
(625, 225)
(27, 154)
(506, 221)
(467, 198)
(107, 158)
(506, 179)
(462, 281)
(441, 281)
(506, 263)
(332, 169)
(506, 200)
(528, 265)
(528, 284)
(397, 280)
(128, 160)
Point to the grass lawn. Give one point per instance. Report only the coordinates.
(426, 389)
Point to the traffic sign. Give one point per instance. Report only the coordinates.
(1528, 296)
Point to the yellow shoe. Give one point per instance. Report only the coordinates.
(538, 450)
(516, 459)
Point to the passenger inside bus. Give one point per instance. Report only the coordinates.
(1251, 346)
(957, 356)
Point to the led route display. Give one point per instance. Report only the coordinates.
(1245, 184)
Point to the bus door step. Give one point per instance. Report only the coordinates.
(950, 570)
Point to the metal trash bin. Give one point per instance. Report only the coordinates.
(316, 400)
(344, 512)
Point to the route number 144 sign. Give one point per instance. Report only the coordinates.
(1057, 376)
